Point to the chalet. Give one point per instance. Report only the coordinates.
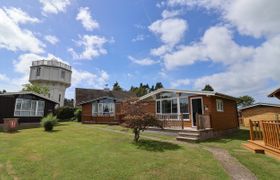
(259, 112)
(264, 132)
(101, 106)
(27, 107)
(197, 115)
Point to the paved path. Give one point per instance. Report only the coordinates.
(232, 166)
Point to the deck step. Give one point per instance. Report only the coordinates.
(187, 139)
(254, 148)
(188, 134)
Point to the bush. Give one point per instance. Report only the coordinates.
(49, 122)
(65, 113)
(78, 114)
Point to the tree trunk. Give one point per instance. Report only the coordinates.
(136, 135)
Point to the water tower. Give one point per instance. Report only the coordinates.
(52, 74)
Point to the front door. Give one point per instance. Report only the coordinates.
(196, 108)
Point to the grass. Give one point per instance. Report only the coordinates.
(75, 151)
(262, 166)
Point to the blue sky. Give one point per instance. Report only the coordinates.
(232, 45)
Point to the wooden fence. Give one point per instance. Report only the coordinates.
(268, 131)
(271, 134)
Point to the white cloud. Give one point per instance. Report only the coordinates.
(160, 50)
(139, 37)
(3, 77)
(169, 14)
(19, 16)
(55, 6)
(142, 62)
(92, 47)
(248, 76)
(216, 45)
(170, 30)
(180, 82)
(86, 19)
(85, 78)
(51, 39)
(251, 17)
(12, 36)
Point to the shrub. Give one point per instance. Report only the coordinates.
(49, 122)
(65, 113)
(136, 119)
(78, 114)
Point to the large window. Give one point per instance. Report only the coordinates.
(28, 107)
(103, 108)
(170, 106)
(38, 71)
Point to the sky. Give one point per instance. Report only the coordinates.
(233, 45)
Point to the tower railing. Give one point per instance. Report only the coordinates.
(51, 63)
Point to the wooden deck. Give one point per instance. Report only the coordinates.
(264, 138)
(258, 146)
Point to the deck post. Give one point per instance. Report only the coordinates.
(251, 130)
(182, 119)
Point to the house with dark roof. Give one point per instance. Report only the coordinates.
(259, 112)
(27, 107)
(101, 106)
(196, 115)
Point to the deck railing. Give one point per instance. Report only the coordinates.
(271, 134)
(255, 130)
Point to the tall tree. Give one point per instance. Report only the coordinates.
(245, 101)
(2, 92)
(208, 87)
(158, 85)
(117, 87)
(36, 88)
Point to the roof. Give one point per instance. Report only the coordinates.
(88, 95)
(275, 93)
(28, 92)
(207, 93)
(260, 104)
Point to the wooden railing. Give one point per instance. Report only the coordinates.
(271, 133)
(171, 120)
(255, 130)
(203, 121)
(169, 117)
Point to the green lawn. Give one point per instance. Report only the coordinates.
(75, 151)
(263, 166)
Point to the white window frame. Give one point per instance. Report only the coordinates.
(178, 106)
(100, 109)
(220, 105)
(36, 111)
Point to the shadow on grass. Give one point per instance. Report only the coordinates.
(240, 134)
(156, 146)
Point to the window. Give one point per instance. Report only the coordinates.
(63, 74)
(220, 105)
(38, 71)
(28, 107)
(103, 108)
(174, 106)
(158, 106)
(184, 107)
(59, 97)
(166, 106)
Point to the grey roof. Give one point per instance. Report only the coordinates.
(207, 93)
(261, 104)
(87, 95)
(28, 92)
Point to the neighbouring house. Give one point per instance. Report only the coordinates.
(275, 93)
(259, 112)
(27, 107)
(197, 115)
(101, 106)
(264, 131)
